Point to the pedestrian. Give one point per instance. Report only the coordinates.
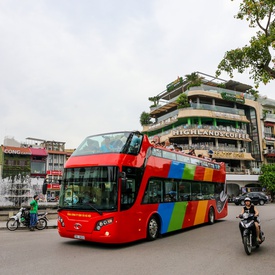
(33, 212)
(192, 152)
(168, 145)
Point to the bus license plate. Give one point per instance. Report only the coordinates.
(80, 237)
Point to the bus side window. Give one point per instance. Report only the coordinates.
(128, 194)
(153, 192)
(184, 191)
(171, 192)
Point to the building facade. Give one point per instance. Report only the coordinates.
(41, 160)
(222, 118)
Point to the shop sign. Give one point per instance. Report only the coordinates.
(53, 186)
(226, 115)
(16, 152)
(54, 172)
(228, 155)
(210, 133)
(175, 84)
(239, 98)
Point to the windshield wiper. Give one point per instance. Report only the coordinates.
(93, 207)
(77, 207)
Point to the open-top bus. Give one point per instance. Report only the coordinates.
(118, 188)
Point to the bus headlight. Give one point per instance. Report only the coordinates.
(61, 221)
(102, 223)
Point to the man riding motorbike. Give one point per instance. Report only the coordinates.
(250, 208)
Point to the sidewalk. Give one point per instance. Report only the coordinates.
(52, 223)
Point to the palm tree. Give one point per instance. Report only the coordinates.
(145, 119)
(194, 80)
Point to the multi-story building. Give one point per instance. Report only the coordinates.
(222, 118)
(14, 161)
(41, 160)
(268, 126)
(55, 161)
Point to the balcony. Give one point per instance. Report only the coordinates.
(217, 90)
(269, 153)
(214, 108)
(269, 118)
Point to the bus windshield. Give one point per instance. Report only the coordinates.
(89, 188)
(119, 142)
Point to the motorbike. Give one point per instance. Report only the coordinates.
(23, 218)
(248, 232)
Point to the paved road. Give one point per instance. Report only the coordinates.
(215, 249)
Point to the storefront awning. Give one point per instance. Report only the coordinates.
(39, 152)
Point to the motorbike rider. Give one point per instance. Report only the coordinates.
(33, 212)
(250, 208)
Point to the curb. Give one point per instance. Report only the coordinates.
(25, 228)
(3, 226)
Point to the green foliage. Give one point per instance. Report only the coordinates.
(257, 55)
(221, 85)
(267, 177)
(264, 113)
(154, 99)
(194, 80)
(182, 101)
(145, 119)
(255, 93)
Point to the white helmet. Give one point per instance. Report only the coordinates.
(247, 199)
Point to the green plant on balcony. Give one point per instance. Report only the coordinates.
(194, 80)
(221, 85)
(182, 101)
(155, 100)
(265, 112)
(145, 119)
(255, 93)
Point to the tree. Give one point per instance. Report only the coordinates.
(182, 101)
(267, 177)
(154, 99)
(257, 56)
(145, 119)
(255, 93)
(194, 80)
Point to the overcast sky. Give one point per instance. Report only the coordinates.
(73, 68)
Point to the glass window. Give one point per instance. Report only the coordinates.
(196, 191)
(171, 193)
(128, 192)
(183, 158)
(89, 188)
(135, 143)
(153, 193)
(184, 191)
(109, 143)
(157, 152)
(169, 155)
(38, 167)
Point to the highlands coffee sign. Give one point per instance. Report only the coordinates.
(210, 133)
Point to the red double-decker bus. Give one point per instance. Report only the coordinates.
(118, 188)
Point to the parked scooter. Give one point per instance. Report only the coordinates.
(23, 218)
(248, 232)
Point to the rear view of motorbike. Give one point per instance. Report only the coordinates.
(248, 231)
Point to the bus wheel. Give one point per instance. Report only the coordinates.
(211, 216)
(152, 228)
